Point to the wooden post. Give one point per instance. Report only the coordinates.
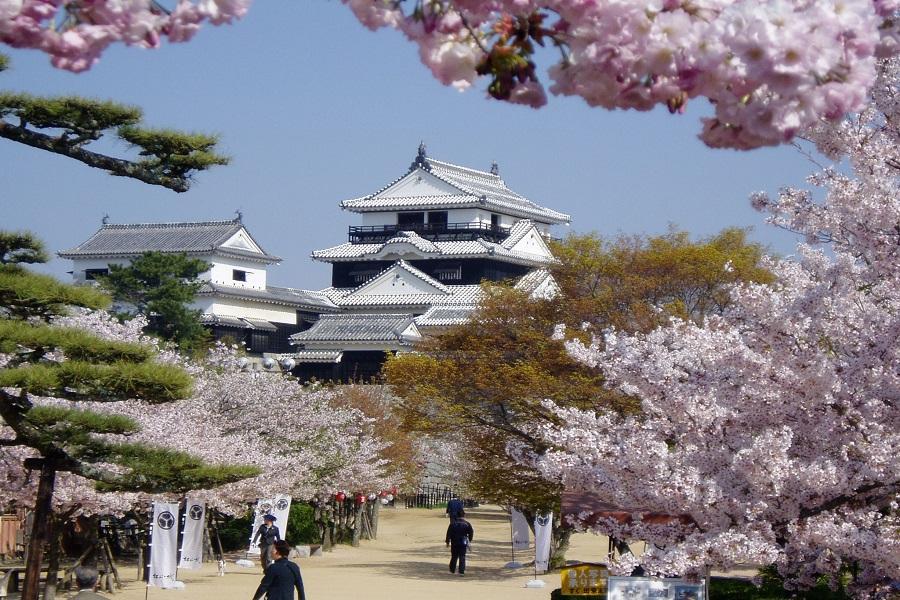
(357, 525)
(42, 513)
(53, 534)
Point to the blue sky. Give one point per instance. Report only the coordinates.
(314, 109)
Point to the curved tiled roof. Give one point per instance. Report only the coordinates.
(191, 238)
(477, 188)
(356, 328)
(461, 249)
(271, 295)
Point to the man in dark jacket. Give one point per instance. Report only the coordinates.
(459, 536)
(267, 534)
(454, 507)
(281, 578)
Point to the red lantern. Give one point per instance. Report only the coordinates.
(394, 490)
(340, 496)
(360, 498)
(383, 494)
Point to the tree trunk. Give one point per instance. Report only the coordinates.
(376, 511)
(357, 525)
(43, 510)
(559, 544)
(54, 532)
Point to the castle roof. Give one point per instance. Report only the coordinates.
(229, 238)
(447, 185)
(511, 249)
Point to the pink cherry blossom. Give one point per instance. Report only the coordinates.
(770, 433)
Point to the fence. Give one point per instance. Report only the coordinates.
(432, 494)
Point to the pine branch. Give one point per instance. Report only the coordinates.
(115, 166)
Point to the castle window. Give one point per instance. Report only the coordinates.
(410, 218)
(93, 274)
(437, 217)
(238, 275)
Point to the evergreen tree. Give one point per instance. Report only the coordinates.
(46, 370)
(66, 125)
(162, 286)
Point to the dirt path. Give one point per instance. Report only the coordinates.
(408, 561)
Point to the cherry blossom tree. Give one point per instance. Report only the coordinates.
(75, 32)
(769, 435)
(303, 442)
(770, 68)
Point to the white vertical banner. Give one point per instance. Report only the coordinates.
(164, 545)
(521, 534)
(543, 527)
(264, 506)
(192, 538)
(281, 510)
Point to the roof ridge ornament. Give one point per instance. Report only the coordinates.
(238, 216)
(421, 161)
(105, 219)
(495, 168)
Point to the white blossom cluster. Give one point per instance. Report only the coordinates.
(770, 434)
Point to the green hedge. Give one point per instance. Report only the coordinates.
(235, 531)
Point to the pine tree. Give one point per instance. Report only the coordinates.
(166, 157)
(162, 286)
(40, 361)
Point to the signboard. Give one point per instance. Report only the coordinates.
(584, 579)
(651, 588)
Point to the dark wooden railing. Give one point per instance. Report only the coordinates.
(371, 234)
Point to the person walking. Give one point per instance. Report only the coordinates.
(282, 577)
(86, 579)
(454, 507)
(459, 537)
(267, 534)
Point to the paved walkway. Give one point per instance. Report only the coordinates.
(407, 561)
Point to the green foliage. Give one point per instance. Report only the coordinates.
(76, 343)
(50, 418)
(234, 532)
(24, 294)
(21, 247)
(82, 119)
(301, 528)
(173, 153)
(482, 382)
(77, 380)
(772, 588)
(161, 470)
(94, 369)
(161, 286)
(67, 125)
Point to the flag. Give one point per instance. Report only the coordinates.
(521, 535)
(164, 544)
(263, 507)
(192, 539)
(281, 510)
(543, 526)
(279, 507)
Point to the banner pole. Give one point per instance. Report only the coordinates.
(146, 577)
(512, 541)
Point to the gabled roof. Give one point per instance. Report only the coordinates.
(445, 316)
(367, 328)
(535, 254)
(129, 240)
(463, 188)
(271, 295)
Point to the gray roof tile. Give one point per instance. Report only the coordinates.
(135, 239)
(477, 188)
(356, 328)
